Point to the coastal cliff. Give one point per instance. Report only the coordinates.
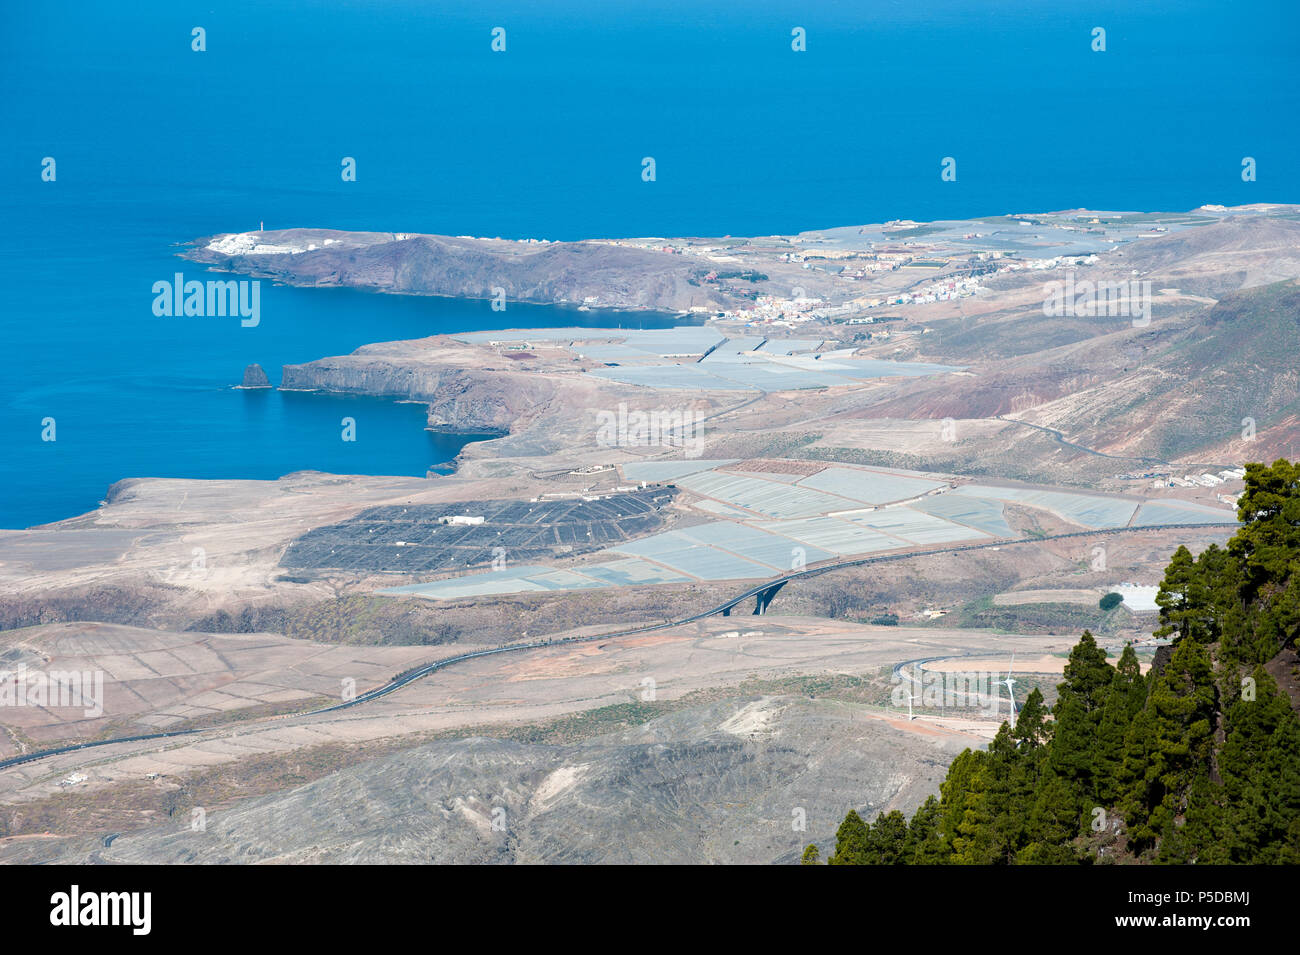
(464, 392)
(601, 274)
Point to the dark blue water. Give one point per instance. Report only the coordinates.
(135, 395)
(157, 144)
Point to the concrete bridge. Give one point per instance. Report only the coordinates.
(761, 599)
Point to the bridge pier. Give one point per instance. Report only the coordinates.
(764, 598)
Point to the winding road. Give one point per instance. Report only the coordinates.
(1060, 438)
(753, 592)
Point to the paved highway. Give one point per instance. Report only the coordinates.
(752, 593)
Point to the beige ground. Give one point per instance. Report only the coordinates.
(1045, 664)
(550, 682)
(154, 680)
(1018, 597)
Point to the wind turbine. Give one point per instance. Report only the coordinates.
(911, 682)
(1010, 683)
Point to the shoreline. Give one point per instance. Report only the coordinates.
(255, 265)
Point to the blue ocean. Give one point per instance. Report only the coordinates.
(157, 144)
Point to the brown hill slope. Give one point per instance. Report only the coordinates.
(465, 267)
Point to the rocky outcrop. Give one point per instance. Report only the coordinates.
(255, 377)
(1161, 660)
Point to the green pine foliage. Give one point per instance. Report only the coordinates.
(1245, 598)
(1169, 745)
(1198, 762)
(851, 842)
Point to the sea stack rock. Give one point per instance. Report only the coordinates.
(254, 377)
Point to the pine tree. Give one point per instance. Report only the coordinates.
(1054, 822)
(1125, 700)
(850, 842)
(1002, 788)
(925, 842)
(1031, 723)
(1269, 508)
(887, 840)
(1169, 745)
(1264, 553)
(1087, 674)
(1176, 594)
(1078, 712)
(964, 817)
(1196, 836)
(1260, 767)
(1144, 746)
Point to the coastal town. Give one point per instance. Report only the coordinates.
(846, 275)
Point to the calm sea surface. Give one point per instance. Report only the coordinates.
(156, 144)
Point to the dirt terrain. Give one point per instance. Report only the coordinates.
(233, 608)
(713, 713)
